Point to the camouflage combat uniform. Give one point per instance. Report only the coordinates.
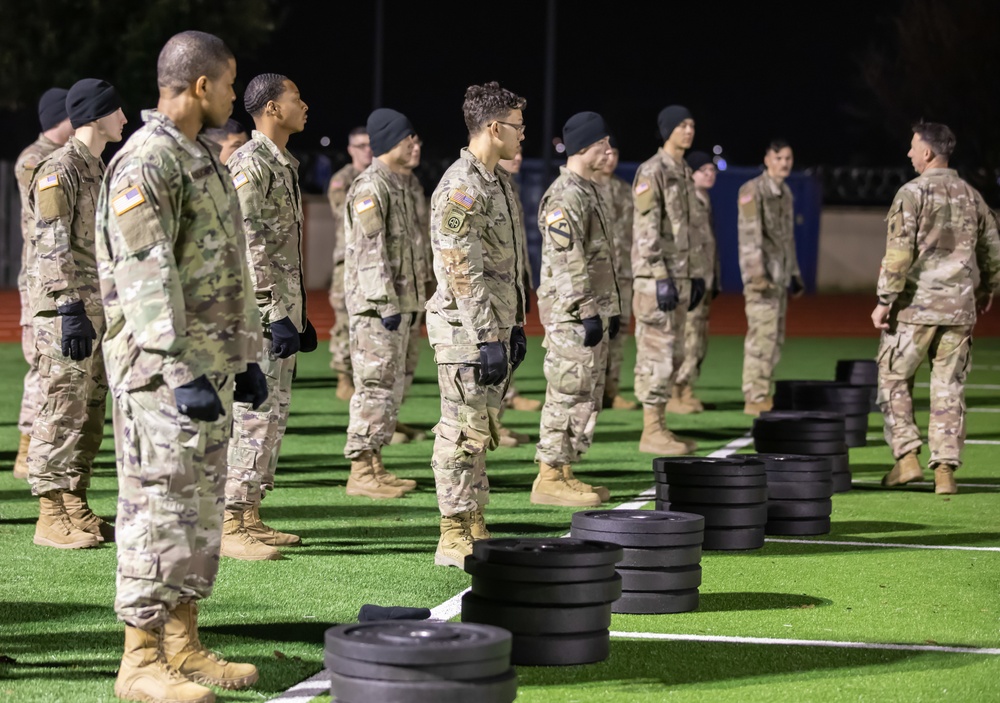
(179, 304)
(476, 239)
(419, 206)
(617, 204)
(266, 180)
(705, 264)
(527, 281)
(340, 334)
(766, 224)
(938, 229)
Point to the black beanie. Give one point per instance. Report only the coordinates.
(581, 130)
(614, 141)
(697, 159)
(669, 118)
(52, 108)
(91, 99)
(386, 129)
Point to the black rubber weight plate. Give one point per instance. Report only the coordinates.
(820, 526)
(387, 672)
(660, 579)
(736, 465)
(497, 689)
(627, 539)
(560, 650)
(554, 594)
(839, 461)
(417, 642)
(751, 515)
(795, 462)
(660, 558)
(536, 620)
(791, 446)
(717, 496)
(799, 509)
(638, 521)
(841, 482)
(639, 603)
(546, 551)
(703, 481)
(797, 477)
(537, 574)
(796, 490)
(743, 538)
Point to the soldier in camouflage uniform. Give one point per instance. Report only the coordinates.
(768, 265)
(360, 150)
(939, 229)
(665, 288)
(229, 137)
(68, 321)
(383, 280)
(578, 300)
(56, 129)
(182, 324)
(475, 318)
(266, 179)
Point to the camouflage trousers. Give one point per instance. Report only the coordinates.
(762, 345)
(900, 353)
(69, 427)
(32, 397)
(257, 434)
(659, 341)
(379, 360)
(413, 346)
(695, 343)
(340, 333)
(616, 346)
(574, 393)
(171, 497)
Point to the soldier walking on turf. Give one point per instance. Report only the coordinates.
(182, 324)
(475, 318)
(68, 321)
(939, 229)
(266, 179)
(769, 268)
(578, 300)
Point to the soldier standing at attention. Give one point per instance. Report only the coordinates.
(229, 137)
(665, 289)
(579, 305)
(182, 324)
(360, 150)
(939, 229)
(475, 319)
(384, 291)
(56, 129)
(266, 179)
(769, 268)
(68, 321)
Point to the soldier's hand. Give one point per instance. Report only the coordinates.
(697, 292)
(391, 322)
(666, 295)
(78, 333)
(284, 338)
(614, 326)
(251, 386)
(593, 331)
(759, 284)
(492, 363)
(307, 340)
(199, 401)
(518, 347)
(797, 287)
(880, 316)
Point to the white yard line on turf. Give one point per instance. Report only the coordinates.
(883, 544)
(858, 482)
(969, 386)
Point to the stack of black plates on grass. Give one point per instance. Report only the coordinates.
(554, 595)
(798, 494)
(730, 493)
(661, 562)
(853, 402)
(419, 661)
(812, 432)
(860, 372)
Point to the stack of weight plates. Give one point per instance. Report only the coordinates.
(860, 372)
(554, 595)
(853, 402)
(806, 432)
(419, 661)
(661, 563)
(730, 493)
(798, 494)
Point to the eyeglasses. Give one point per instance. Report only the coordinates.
(361, 145)
(518, 127)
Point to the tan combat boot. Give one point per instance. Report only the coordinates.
(688, 396)
(478, 529)
(21, 462)
(656, 439)
(412, 433)
(944, 479)
(550, 488)
(184, 652)
(387, 478)
(265, 533)
(906, 469)
(456, 540)
(345, 387)
(145, 675)
(620, 403)
(755, 408)
(514, 435)
(577, 485)
(55, 529)
(237, 543)
(519, 402)
(83, 518)
(363, 482)
(677, 405)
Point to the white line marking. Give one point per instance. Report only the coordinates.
(303, 692)
(981, 410)
(969, 386)
(982, 441)
(929, 483)
(883, 544)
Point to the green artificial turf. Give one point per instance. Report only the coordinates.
(59, 640)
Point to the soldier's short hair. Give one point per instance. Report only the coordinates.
(356, 132)
(488, 102)
(262, 90)
(188, 56)
(777, 145)
(217, 134)
(937, 136)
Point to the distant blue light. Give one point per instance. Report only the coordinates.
(720, 163)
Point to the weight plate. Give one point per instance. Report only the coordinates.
(853, 423)
(842, 482)
(791, 446)
(833, 418)
(417, 642)
(463, 671)
(660, 558)
(720, 495)
(656, 602)
(496, 689)
(794, 462)
(703, 481)
(537, 574)
(781, 433)
(660, 579)
(857, 371)
(554, 594)
(819, 526)
(856, 439)
(735, 465)
(629, 539)
(546, 551)
(560, 650)
(637, 521)
(839, 461)
(797, 477)
(799, 509)
(751, 515)
(797, 490)
(535, 620)
(732, 539)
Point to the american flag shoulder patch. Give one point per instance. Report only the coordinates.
(463, 199)
(744, 199)
(554, 216)
(240, 180)
(641, 187)
(130, 198)
(364, 205)
(50, 181)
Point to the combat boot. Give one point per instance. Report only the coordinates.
(906, 469)
(656, 439)
(345, 386)
(237, 543)
(80, 514)
(363, 482)
(21, 462)
(478, 529)
(519, 402)
(620, 403)
(55, 529)
(145, 675)
(944, 479)
(184, 652)
(677, 405)
(550, 488)
(265, 533)
(412, 433)
(456, 540)
(387, 478)
(518, 437)
(577, 485)
(688, 396)
(755, 408)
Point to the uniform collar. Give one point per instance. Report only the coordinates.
(486, 174)
(45, 141)
(195, 149)
(283, 157)
(83, 150)
(939, 171)
(773, 186)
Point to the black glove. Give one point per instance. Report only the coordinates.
(716, 288)
(391, 323)
(697, 292)
(593, 331)
(284, 338)
(251, 386)
(307, 340)
(666, 295)
(797, 287)
(614, 326)
(199, 401)
(78, 332)
(492, 363)
(376, 613)
(518, 347)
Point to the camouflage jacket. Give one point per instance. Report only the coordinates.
(267, 185)
(766, 227)
(420, 207)
(529, 281)
(939, 229)
(172, 262)
(24, 168)
(336, 193)
(476, 240)
(578, 274)
(704, 250)
(381, 263)
(616, 200)
(661, 218)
